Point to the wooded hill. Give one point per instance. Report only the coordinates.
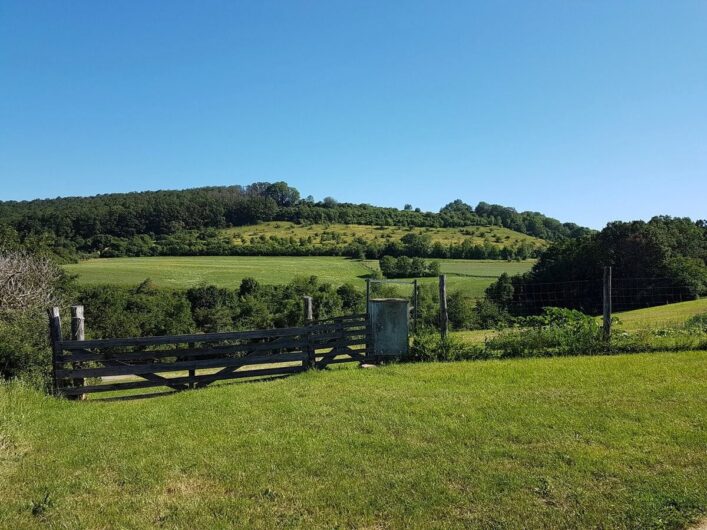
(85, 225)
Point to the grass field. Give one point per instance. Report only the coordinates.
(222, 271)
(326, 235)
(472, 276)
(661, 316)
(583, 442)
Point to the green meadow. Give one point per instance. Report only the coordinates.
(471, 276)
(578, 442)
(222, 271)
(661, 316)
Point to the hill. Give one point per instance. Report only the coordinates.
(584, 442)
(134, 224)
(330, 235)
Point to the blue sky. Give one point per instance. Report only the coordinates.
(585, 111)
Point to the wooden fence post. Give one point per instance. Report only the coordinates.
(311, 361)
(414, 301)
(308, 318)
(78, 332)
(607, 303)
(192, 372)
(443, 315)
(368, 293)
(308, 309)
(54, 338)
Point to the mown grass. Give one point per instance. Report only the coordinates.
(583, 442)
(323, 235)
(470, 276)
(222, 271)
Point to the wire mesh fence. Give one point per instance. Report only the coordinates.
(633, 303)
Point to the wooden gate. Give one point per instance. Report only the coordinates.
(191, 361)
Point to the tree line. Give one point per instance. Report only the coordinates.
(71, 226)
(211, 242)
(657, 262)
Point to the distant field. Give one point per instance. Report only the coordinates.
(472, 276)
(222, 271)
(329, 235)
(661, 316)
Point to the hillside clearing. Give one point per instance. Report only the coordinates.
(614, 442)
(332, 234)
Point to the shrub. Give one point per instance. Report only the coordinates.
(406, 267)
(24, 347)
(28, 285)
(428, 345)
(697, 323)
(555, 332)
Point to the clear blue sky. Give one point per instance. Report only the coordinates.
(588, 111)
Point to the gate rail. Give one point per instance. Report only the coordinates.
(204, 358)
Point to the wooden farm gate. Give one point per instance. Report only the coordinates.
(192, 361)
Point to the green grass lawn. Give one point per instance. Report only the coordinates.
(472, 276)
(583, 442)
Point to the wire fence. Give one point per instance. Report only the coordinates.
(631, 303)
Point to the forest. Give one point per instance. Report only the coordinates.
(184, 222)
(657, 262)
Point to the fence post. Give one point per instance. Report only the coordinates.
(368, 293)
(54, 338)
(78, 333)
(443, 315)
(308, 309)
(311, 361)
(607, 303)
(192, 373)
(414, 301)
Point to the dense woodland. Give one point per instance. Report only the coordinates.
(656, 262)
(185, 223)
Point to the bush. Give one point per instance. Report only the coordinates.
(569, 332)
(697, 323)
(460, 308)
(428, 345)
(24, 347)
(405, 267)
(555, 332)
(28, 285)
